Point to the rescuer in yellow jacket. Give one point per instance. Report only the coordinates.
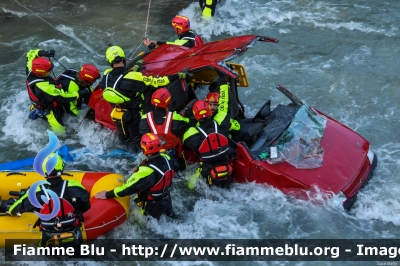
(46, 98)
(151, 181)
(124, 90)
(186, 36)
(73, 80)
(64, 229)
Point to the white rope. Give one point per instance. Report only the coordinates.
(147, 20)
(71, 35)
(80, 123)
(145, 32)
(36, 15)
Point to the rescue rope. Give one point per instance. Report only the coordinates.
(145, 32)
(36, 15)
(80, 123)
(60, 63)
(52, 71)
(71, 35)
(147, 20)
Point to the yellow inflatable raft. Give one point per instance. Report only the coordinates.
(103, 216)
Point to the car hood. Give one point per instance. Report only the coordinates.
(345, 152)
(170, 59)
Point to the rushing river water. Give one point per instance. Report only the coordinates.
(341, 57)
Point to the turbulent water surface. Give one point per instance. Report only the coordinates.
(341, 57)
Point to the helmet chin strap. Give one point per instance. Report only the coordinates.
(119, 63)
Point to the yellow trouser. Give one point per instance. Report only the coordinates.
(54, 124)
(193, 179)
(207, 12)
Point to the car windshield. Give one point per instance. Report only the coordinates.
(299, 144)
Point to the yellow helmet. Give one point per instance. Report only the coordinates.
(58, 168)
(115, 54)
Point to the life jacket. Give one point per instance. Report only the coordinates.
(63, 79)
(66, 218)
(118, 111)
(38, 104)
(214, 147)
(168, 139)
(194, 38)
(130, 85)
(68, 74)
(162, 188)
(219, 173)
(198, 41)
(113, 80)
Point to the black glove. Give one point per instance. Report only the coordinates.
(180, 75)
(49, 53)
(187, 110)
(151, 46)
(52, 53)
(84, 92)
(184, 75)
(138, 68)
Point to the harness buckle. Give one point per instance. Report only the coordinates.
(57, 224)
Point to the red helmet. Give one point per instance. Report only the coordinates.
(181, 24)
(41, 66)
(212, 97)
(89, 73)
(201, 109)
(161, 98)
(150, 143)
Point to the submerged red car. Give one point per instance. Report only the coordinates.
(295, 148)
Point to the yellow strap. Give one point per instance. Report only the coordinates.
(116, 116)
(117, 113)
